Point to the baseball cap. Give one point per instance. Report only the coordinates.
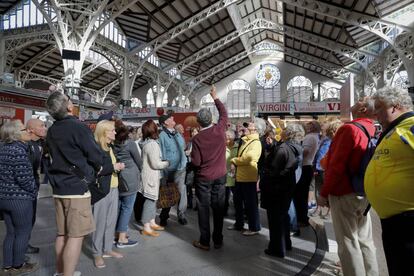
(164, 118)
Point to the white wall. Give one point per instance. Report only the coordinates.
(287, 72)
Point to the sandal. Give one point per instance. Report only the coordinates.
(113, 254)
(99, 262)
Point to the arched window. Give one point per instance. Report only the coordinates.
(150, 98)
(208, 102)
(135, 102)
(239, 85)
(238, 99)
(165, 97)
(327, 91)
(299, 89)
(185, 102)
(401, 79)
(268, 84)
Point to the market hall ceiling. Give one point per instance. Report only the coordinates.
(147, 20)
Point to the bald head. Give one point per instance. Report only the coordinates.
(363, 108)
(36, 128)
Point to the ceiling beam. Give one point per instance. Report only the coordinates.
(163, 39)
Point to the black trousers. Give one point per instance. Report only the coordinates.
(138, 207)
(398, 241)
(210, 193)
(301, 195)
(246, 201)
(279, 225)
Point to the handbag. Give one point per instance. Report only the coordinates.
(168, 196)
(122, 185)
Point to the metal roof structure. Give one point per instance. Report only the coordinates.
(203, 41)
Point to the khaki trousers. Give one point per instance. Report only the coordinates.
(353, 233)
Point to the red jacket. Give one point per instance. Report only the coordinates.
(344, 157)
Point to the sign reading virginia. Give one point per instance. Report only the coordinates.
(310, 107)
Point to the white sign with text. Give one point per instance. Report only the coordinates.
(310, 107)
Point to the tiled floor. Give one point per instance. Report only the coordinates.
(173, 254)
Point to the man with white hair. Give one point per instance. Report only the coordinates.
(353, 230)
(389, 178)
(208, 156)
(37, 130)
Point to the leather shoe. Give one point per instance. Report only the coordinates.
(151, 234)
(273, 254)
(200, 246)
(182, 221)
(157, 228)
(32, 250)
(163, 222)
(218, 245)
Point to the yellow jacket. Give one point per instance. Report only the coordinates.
(247, 158)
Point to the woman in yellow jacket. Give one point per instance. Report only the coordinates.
(245, 191)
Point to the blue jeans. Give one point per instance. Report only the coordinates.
(293, 220)
(126, 206)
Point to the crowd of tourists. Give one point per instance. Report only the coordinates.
(101, 178)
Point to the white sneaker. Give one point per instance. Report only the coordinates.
(250, 233)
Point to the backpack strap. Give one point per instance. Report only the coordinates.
(361, 127)
(238, 155)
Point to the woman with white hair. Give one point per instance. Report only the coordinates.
(17, 193)
(278, 184)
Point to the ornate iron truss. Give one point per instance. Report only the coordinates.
(400, 37)
(89, 12)
(351, 52)
(334, 70)
(162, 40)
(117, 56)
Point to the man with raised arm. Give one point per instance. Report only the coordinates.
(209, 158)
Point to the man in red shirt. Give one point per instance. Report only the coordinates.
(353, 230)
(208, 156)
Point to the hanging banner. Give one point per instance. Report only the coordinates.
(128, 113)
(293, 108)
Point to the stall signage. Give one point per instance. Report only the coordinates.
(21, 100)
(310, 107)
